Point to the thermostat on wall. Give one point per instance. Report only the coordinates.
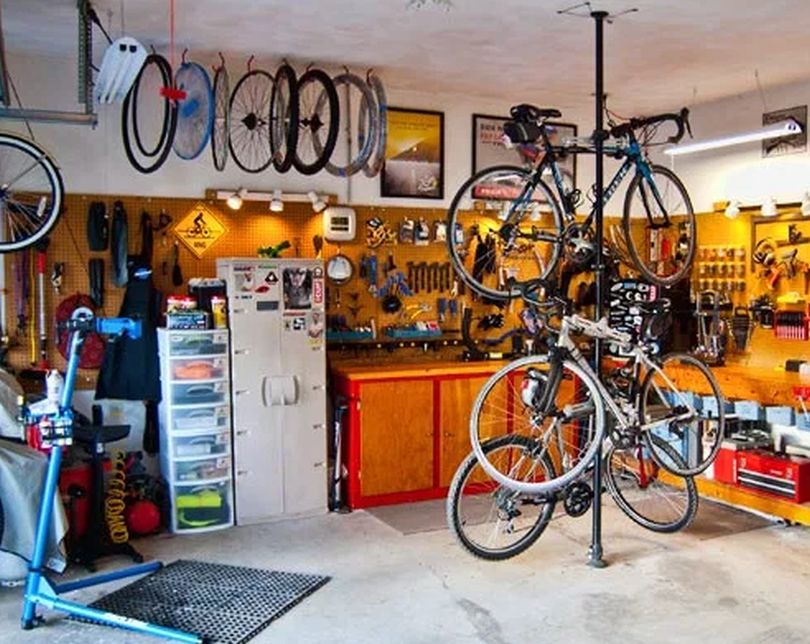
(339, 223)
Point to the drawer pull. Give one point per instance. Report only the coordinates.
(319, 464)
(240, 392)
(242, 432)
(241, 352)
(241, 472)
(319, 426)
(318, 387)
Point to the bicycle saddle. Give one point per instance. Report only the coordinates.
(524, 113)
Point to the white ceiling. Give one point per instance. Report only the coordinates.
(656, 58)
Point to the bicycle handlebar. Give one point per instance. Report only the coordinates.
(681, 120)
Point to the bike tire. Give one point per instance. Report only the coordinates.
(624, 484)
(166, 136)
(366, 146)
(376, 160)
(310, 122)
(195, 113)
(222, 116)
(166, 75)
(495, 186)
(284, 118)
(506, 504)
(701, 447)
(678, 203)
(32, 193)
(491, 417)
(249, 123)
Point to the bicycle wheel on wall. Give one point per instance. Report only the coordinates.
(31, 193)
(249, 125)
(512, 228)
(284, 118)
(357, 104)
(372, 167)
(318, 121)
(558, 409)
(221, 125)
(659, 224)
(654, 499)
(682, 406)
(489, 520)
(195, 112)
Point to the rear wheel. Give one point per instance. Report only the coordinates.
(221, 126)
(318, 121)
(512, 229)
(284, 118)
(359, 119)
(655, 499)
(489, 520)
(249, 121)
(659, 226)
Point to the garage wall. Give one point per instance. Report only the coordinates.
(93, 161)
(740, 172)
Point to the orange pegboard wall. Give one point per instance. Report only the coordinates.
(247, 229)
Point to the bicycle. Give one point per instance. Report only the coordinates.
(534, 226)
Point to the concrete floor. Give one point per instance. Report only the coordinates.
(751, 587)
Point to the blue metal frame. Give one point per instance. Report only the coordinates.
(39, 590)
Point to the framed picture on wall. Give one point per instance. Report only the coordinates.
(414, 154)
(488, 148)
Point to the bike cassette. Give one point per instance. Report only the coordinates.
(578, 244)
(577, 500)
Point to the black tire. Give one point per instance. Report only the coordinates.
(166, 138)
(472, 488)
(641, 204)
(284, 118)
(634, 495)
(367, 136)
(31, 193)
(318, 106)
(526, 196)
(249, 122)
(372, 167)
(222, 115)
(698, 436)
(166, 75)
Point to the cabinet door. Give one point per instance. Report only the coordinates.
(457, 396)
(396, 436)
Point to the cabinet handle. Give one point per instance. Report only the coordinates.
(319, 464)
(241, 472)
(318, 387)
(242, 432)
(239, 392)
(319, 426)
(241, 352)
(235, 311)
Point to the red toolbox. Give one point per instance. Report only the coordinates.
(725, 465)
(784, 476)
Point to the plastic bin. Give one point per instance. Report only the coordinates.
(202, 469)
(199, 368)
(213, 417)
(188, 343)
(211, 444)
(780, 415)
(199, 393)
(198, 507)
(710, 406)
(749, 410)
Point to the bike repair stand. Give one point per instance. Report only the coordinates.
(56, 430)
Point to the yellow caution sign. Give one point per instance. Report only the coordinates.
(199, 229)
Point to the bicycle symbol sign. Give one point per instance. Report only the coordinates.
(199, 229)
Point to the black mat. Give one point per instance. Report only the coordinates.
(715, 520)
(227, 604)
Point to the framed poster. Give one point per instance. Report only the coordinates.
(786, 144)
(488, 148)
(414, 154)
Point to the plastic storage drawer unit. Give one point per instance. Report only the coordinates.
(199, 393)
(197, 418)
(209, 444)
(199, 507)
(197, 343)
(199, 368)
(202, 469)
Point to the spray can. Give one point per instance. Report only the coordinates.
(54, 383)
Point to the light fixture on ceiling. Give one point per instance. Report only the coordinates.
(235, 199)
(769, 208)
(318, 204)
(276, 203)
(788, 127)
(732, 211)
(806, 204)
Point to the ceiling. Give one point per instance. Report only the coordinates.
(667, 54)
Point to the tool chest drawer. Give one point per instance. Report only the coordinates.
(198, 368)
(197, 418)
(199, 393)
(207, 444)
(195, 343)
(784, 476)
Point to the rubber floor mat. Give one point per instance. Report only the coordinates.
(220, 603)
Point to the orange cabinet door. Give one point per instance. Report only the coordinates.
(396, 436)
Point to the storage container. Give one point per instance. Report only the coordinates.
(202, 469)
(710, 404)
(196, 343)
(209, 444)
(749, 410)
(199, 507)
(198, 393)
(198, 368)
(780, 415)
(196, 418)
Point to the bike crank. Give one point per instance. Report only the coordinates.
(577, 499)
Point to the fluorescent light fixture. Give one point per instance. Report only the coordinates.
(276, 204)
(236, 199)
(318, 204)
(733, 209)
(788, 127)
(769, 208)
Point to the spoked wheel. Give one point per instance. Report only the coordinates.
(512, 227)
(284, 118)
(357, 104)
(653, 498)
(558, 409)
(151, 117)
(372, 167)
(249, 124)
(318, 121)
(31, 193)
(683, 407)
(489, 520)
(195, 112)
(221, 125)
(659, 225)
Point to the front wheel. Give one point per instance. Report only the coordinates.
(682, 407)
(504, 228)
(555, 405)
(491, 521)
(659, 226)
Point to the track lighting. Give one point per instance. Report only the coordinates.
(769, 208)
(236, 199)
(276, 204)
(788, 127)
(733, 209)
(318, 204)
(806, 204)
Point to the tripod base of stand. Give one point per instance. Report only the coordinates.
(595, 558)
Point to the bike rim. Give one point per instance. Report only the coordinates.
(249, 125)
(318, 121)
(356, 103)
(195, 112)
(221, 125)
(284, 118)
